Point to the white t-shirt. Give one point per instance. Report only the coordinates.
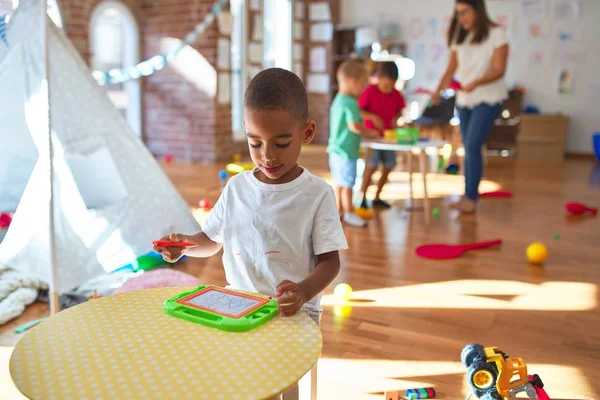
(274, 232)
(474, 61)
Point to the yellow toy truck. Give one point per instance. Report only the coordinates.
(493, 375)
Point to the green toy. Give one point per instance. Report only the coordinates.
(221, 308)
(407, 135)
(436, 212)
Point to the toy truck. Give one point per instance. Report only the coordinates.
(493, 375)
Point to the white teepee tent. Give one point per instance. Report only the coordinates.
(103, 198)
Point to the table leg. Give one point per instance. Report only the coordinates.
(423, 167)
(367, 157)
(410, 176)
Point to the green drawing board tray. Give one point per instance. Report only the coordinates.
(221, 308)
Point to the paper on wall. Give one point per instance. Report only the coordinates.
(298, 69)
(566, 10)
(565, 81)
(298, 30)
(319, 11)
(298, 52)
(540, 30)
(318, 83)
(318, 59)
(255, 53)
(257, 28)
(594, 92)
(321, 32)
(224, 90)
(223, 51)
(225, 22)
(299, 11)
(536, 10)
(253, 71)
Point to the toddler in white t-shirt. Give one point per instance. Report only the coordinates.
(278, 225)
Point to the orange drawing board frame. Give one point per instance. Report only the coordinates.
(261, 301)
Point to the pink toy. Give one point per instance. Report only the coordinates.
(168, 243)
(445, 251)
(497, 193)
(204, 204)
(455, 85)
(5, 220)
(578, 208)
(539, 390)
(158, 278)
(168, 158)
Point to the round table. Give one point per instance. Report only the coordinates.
(125, 346)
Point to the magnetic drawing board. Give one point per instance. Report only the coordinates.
(222, 308)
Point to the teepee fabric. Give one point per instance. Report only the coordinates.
(111, 198)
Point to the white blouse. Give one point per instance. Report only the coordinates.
(474, 61)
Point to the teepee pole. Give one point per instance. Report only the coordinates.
(53, 298)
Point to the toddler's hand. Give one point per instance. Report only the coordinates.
(290, 298)
(172, 254)
(377, 122)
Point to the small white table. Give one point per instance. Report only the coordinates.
(386, 144)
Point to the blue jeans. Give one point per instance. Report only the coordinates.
(475, 126)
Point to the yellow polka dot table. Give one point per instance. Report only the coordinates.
(125, 347)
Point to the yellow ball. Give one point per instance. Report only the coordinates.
(237, 158)
(342, 292)
(364, 213)
(537, 253)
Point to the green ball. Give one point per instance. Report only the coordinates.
(436, 212)
(556, 236)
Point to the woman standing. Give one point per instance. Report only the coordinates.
(478, 58)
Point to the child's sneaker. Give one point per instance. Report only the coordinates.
(354, 220)
(378, 203)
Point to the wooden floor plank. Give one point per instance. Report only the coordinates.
(418, 314)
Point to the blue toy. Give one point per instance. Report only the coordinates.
(452, 169)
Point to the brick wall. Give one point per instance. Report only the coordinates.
(181, 114)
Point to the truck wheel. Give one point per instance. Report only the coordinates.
(537, 381)
(471, 352)
(481, 375)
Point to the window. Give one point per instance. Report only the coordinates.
(278, 34)
(114, 43)
(238, 75)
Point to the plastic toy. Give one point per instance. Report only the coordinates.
(168, 243)
(556, 236)
(221, 308)
(5, 220)
(445, 251)
(436, 213)
(204, 204)
(364, 213)
(342, 292)
(578, 208)
(455, 85)
(237, 158)
(493, 375)
(537, 253)
(223, 178)
(407, 135)
(422, 393)
(452, 169)
(168, 158)
(497, 193)
(236, 168)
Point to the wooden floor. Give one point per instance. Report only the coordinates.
(411, 317)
